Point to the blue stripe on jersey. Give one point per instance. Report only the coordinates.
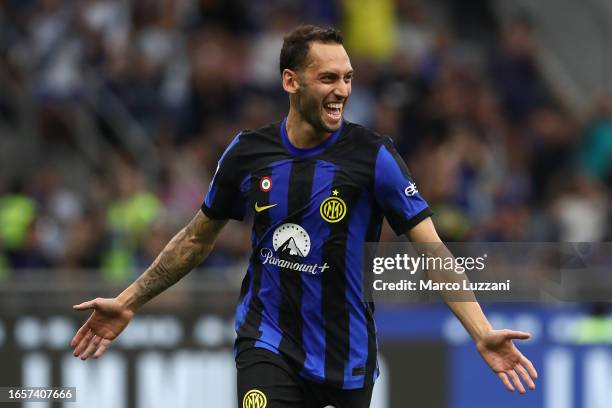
(358, 332)
(389, 185)
(377, 371)
(270, 291)
(212, 188)
(243, 306)
(313, 331)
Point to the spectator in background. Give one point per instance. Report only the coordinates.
(414, 32)
(553, 142)
(514, 70)
(581, 210)
(262, 75)
(20, 244)
(84, 243)
(58, 206)
(186, 177)
(215, 90)
(595, 150)
(129, 219)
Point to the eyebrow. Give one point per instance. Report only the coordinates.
(333, 74)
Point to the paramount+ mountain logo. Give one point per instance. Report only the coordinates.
(291, 239)
(290, 243)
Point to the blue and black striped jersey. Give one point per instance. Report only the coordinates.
(314, 208)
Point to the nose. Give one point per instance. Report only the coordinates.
(342, 90)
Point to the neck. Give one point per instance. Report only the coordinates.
(301, 133)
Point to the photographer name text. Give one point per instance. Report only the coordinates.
(430, 285)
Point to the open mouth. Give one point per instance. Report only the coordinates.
(333, 110)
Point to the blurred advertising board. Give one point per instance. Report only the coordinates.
(178, 352)
(571, 346)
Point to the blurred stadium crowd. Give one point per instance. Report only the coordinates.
(113, 114)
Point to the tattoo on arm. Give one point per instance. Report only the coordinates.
(186, 250)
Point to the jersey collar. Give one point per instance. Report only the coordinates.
(310, 151)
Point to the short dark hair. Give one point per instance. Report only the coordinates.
(297, 44)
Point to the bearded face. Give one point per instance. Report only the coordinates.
(324, 87)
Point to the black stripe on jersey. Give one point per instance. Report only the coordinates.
(388, 143)
(290, 313)
(334, 303)
(250, 327)
(244, 288)
(372, 238)
(248, 332)
(372, 349)
(372, 235)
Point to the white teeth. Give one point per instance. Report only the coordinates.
(334, 105)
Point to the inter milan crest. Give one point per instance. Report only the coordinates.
(265, 184)
(333, 208)
(254, 399)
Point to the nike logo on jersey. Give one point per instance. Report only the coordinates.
(264, 207)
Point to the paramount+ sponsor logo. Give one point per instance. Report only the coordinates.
(290, 244)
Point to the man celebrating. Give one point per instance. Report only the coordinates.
(319, 187)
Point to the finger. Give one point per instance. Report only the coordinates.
(506, 381)
(79, 335)
(83, 343)
(92, 346)
(530, 368)
(516, 380)
(519, 335)
(526, 378)
(90, 304)
(103, 345)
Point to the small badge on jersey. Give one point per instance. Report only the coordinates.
(333, 208)
(265, 184)
(411, 189)
(254, 399)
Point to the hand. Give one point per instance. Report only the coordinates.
(108, 319)
(497, 349)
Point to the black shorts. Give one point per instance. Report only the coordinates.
(267, 380)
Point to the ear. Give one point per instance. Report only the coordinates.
(291, 82)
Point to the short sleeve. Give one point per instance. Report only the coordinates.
(396, 192)
(224, 198)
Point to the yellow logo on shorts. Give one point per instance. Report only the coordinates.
(254, 399)
(333, 209)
